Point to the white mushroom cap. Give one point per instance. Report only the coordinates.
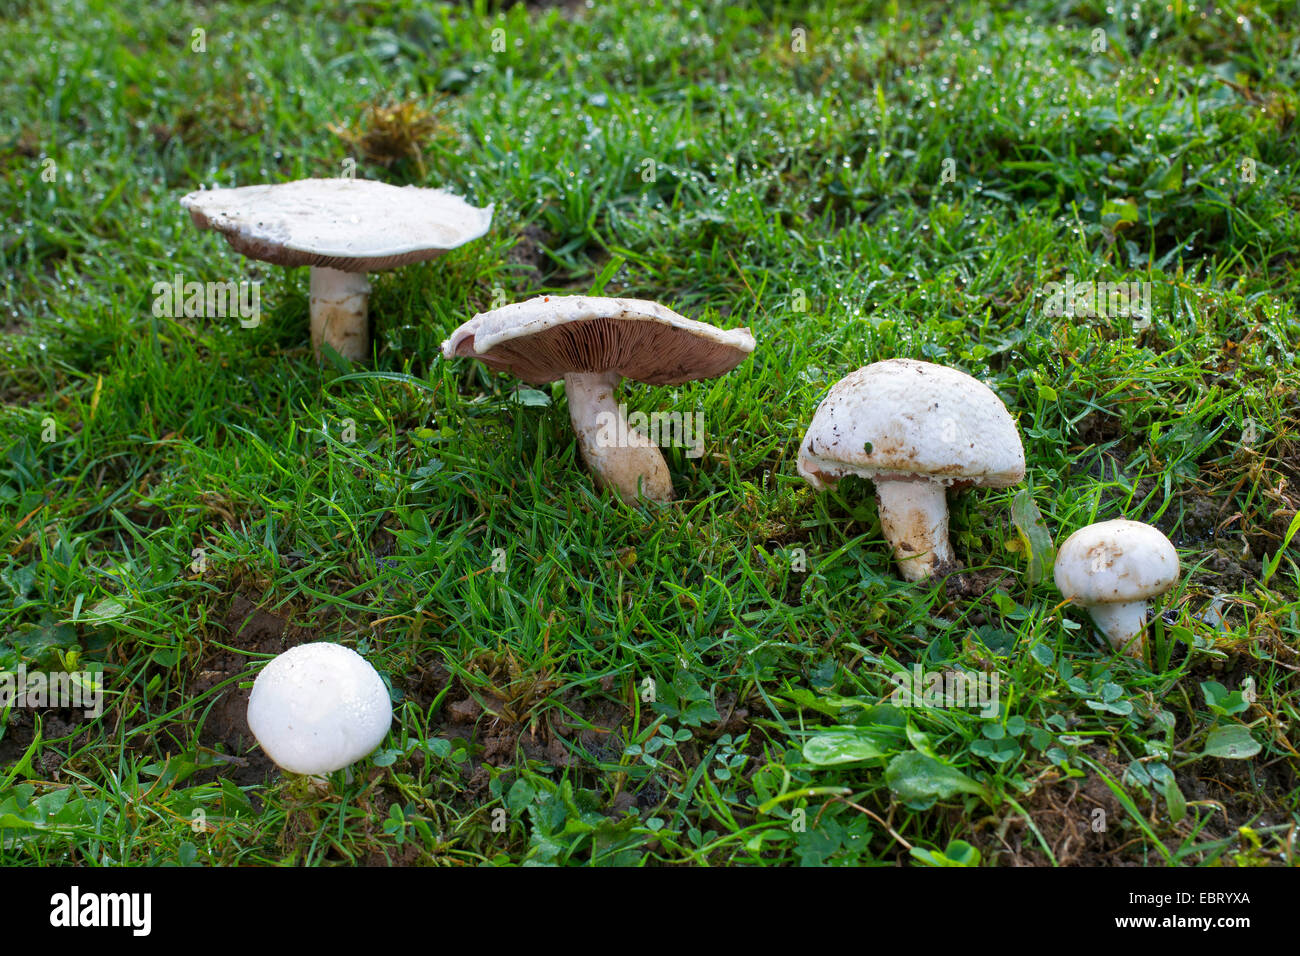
(318, 708)
(902, 419)
(1115, 562)
(352, 225)
(550, 336)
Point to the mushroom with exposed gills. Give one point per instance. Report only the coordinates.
(914, 430)
(342, 229)
(1113, 568)
(593, 343)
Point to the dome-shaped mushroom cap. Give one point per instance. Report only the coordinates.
(900, 419)
(1116, 562)
(546, 338)
(353, 225)
(318, 708)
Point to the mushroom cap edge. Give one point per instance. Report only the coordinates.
(323, 222)
(908, 420)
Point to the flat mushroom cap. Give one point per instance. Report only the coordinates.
(901, 419)
(1115, 562)
(319, 707)
(546, 338)
(352, 225)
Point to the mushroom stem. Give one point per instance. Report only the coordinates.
(618, 455)
(914, 518)
(338, 312)
(1122, 623)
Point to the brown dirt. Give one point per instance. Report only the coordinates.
(1225, 572)
(486, 721)
(579, 742)
(225, 729)
(965, 587)
(1063, 812)
(1098, 428)
(56, 722)
(528, 251)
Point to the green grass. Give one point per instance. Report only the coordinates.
(198, 509)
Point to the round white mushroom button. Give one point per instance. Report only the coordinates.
(318, 708)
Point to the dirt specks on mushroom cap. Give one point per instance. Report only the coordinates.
(547, 337)
(353, 225)
(902, 419)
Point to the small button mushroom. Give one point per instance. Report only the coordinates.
(593, 343)
(915, 430)
(1113, 568)
(342, 229)
(318, 708)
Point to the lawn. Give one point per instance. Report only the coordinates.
(579, 680)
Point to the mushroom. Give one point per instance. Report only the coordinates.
(319, 707)
(914, 430)
(593, 343)
(342, 229)
(1113, 568)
